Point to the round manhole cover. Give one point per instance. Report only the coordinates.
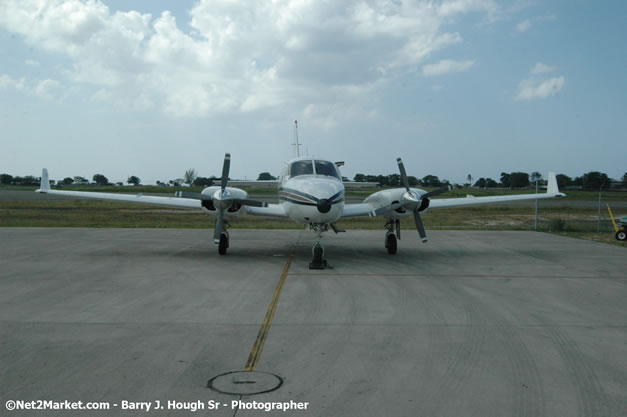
(245, 382)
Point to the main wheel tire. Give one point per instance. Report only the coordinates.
(621, 235)
(224, 244)
(390, 243)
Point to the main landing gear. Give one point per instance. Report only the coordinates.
(393, 232)
(223, 245)
(318, 261)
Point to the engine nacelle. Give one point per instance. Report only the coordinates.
(235, 209)
(395, 195)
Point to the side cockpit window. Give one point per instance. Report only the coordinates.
(326, 168)
(301, 168)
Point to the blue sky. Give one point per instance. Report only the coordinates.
(151, 88)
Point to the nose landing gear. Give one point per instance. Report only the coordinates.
(318, 261)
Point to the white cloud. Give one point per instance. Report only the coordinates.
(238, 57)
(44, 88)
(31, 63)
(447, 66)
(541, 68)
(532, 89)
(524, 25)
(7, 82)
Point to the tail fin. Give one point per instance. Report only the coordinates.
(552, 187)
(45, 182)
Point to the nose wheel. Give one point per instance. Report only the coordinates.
(318, 261)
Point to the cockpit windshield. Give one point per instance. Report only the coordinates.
(301, 168)
(306, 167)
(326, 168)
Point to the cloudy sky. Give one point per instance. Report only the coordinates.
(455, 87)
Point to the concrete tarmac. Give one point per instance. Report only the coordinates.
(470, 324)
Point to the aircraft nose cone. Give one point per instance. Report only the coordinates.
(324, 205)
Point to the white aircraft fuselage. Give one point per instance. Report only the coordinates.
(315, 197)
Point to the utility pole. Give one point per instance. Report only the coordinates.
(536, 227)
(599, 220)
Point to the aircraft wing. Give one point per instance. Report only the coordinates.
(361, 209)
(44, 188)
(366, 209)
(551, 192)
(272, 210)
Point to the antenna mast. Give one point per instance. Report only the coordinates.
(296, 143)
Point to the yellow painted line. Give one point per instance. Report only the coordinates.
(255, 353)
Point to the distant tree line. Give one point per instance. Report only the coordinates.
(589, 181)
(592, 180)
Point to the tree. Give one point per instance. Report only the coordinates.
(27, 180)
(6, 178)
(518, 179)
(266, 176)
(481, 183)
(413, 181)
(68, 181)
(563, 180)
(359, 178)
(431, 181)
(535, 176)
(594, 179)
(505, 180)
(80, 180)
(490, 183)
(625, 179)
(189, 176)
(394, 180)
(469, 178)
(133, 180)
(100, 179)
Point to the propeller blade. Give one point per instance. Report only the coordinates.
(225, 170)
(219, 226)
(419, 226)
(252, 203)
(401, 167)
(438, 191)
(195, 196)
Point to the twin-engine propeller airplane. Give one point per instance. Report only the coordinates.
(311, 192)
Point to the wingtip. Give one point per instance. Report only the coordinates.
(44, 184)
